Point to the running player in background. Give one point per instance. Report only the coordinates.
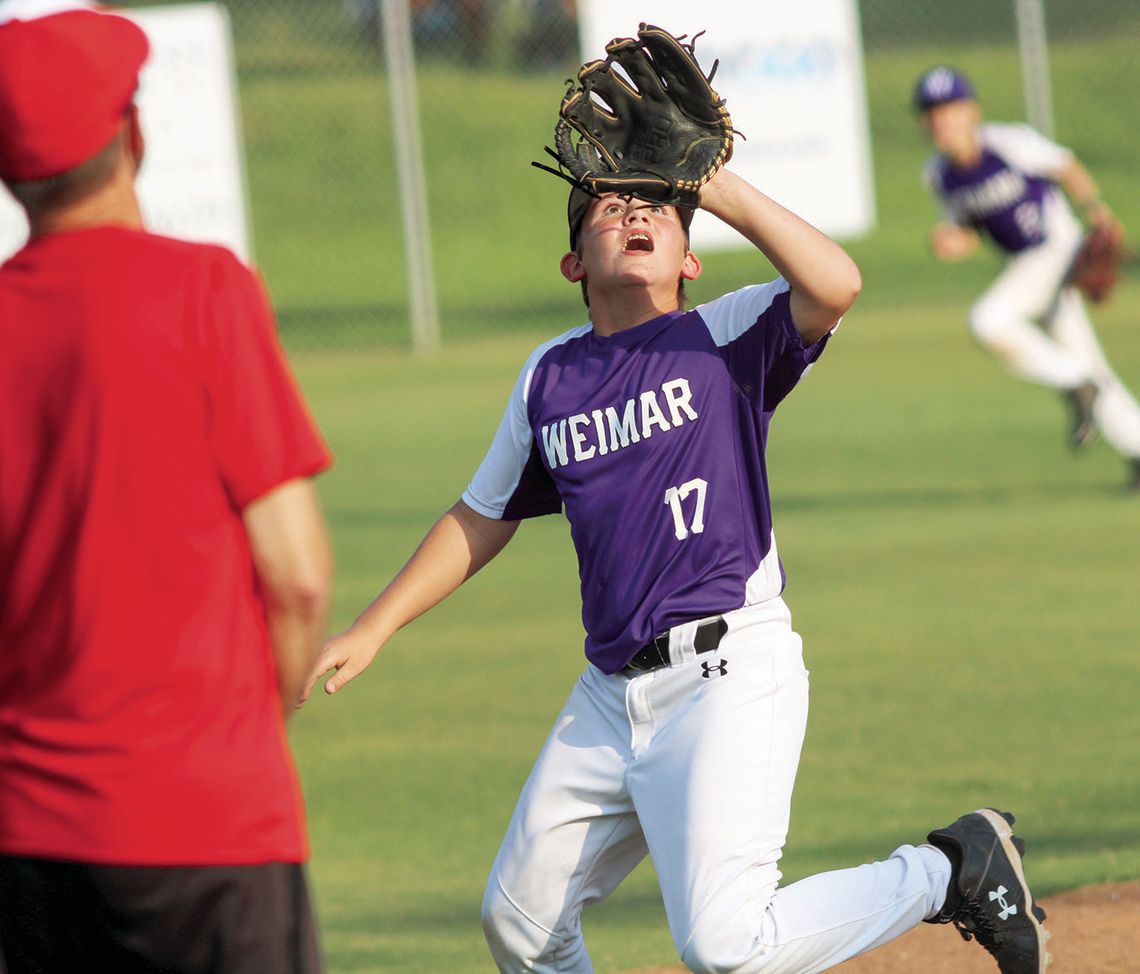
(647, 425)
(164, 566)
(1009, 183)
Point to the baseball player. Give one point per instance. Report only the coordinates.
(1009, 183)
(647, 426)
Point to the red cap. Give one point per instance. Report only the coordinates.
(65, 82)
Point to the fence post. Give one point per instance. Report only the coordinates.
(400, 58)
(1035, 64)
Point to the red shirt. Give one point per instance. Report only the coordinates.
(144, 402)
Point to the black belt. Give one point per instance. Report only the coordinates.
(655, 653)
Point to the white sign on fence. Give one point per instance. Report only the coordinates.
(792, 76)
(192, 183)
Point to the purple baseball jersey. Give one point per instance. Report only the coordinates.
(1003, 194)
(653, 440)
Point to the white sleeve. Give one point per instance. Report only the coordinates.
(1027, 149)
(501, 470)
(511, 474)
(931, 175)
(730, 315)
(932, 180)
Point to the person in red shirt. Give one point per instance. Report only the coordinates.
(164, 563)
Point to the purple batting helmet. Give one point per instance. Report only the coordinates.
(940, 85)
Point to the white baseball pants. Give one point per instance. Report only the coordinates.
(695, 765)
(1041, 331)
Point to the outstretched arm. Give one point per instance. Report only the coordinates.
(1081, 188)
(458, 545)
(824, 280)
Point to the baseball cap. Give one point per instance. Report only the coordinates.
(939, 85)
(66, 80)
(579, 202)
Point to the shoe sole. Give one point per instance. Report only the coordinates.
(1084, 430)
(1001, 823)
(1082, 439)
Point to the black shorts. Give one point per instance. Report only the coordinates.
(59, 917)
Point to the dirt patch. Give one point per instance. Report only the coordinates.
(1095, 931)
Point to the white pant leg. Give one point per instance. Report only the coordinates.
(573, 837)
(712, 778)
(715, 760)
(1004, 320)
(1116, 411)
(826, 919)
(710, 762)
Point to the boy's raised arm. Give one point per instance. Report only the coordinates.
(823, 278)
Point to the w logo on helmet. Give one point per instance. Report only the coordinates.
(939, 83)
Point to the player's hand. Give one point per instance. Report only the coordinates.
(1098, 216)
(951, 242)
(349, 653)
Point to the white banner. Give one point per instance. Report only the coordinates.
(192, 183)
(792, 77)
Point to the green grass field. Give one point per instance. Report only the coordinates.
(966, 588)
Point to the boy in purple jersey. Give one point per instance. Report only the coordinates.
(647, 426)
(1009, 183)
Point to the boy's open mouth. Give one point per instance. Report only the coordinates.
(638, 241)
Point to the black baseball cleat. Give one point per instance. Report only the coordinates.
(1083, 428)
(988, 897)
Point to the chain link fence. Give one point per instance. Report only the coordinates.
(319, 149)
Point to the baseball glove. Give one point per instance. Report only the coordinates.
(1096, 268)
(658, 132)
